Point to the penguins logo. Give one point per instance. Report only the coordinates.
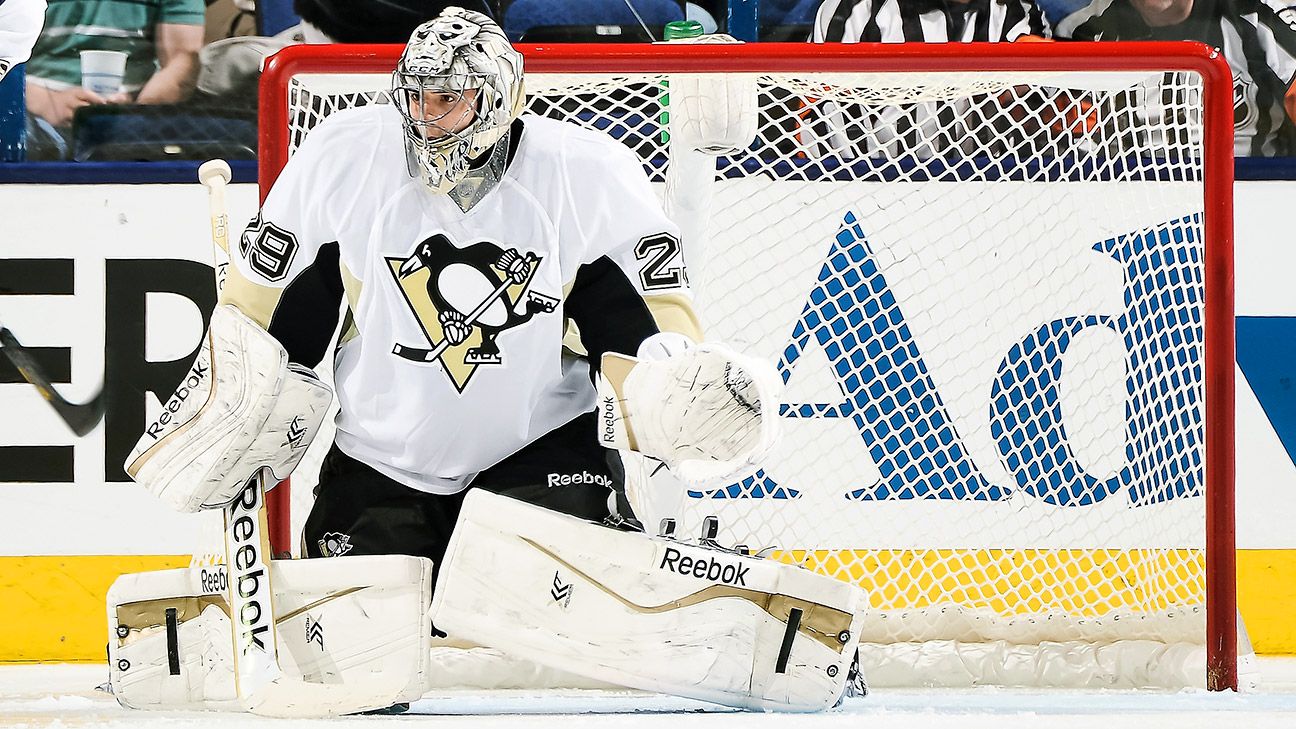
(463, 298)
(334, 544)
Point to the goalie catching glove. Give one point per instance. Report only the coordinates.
(716, 114)
(242, 407)
(707, 412)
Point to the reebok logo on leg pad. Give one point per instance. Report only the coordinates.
(704, 568)
(584, 477)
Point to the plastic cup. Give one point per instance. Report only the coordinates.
(102, 71)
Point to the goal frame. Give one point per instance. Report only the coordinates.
(1221, 599)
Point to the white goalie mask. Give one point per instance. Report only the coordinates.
(458, 86)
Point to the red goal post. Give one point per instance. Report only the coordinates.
(1212, 151)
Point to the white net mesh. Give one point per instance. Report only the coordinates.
(984, 293)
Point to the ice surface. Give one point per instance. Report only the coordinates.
(59, 695)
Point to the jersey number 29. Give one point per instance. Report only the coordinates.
(657, 251)
(268, 249)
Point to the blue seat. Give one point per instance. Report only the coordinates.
(589, 20)
(799, 11)
(787, 20)
(275, 16)
(13, 117)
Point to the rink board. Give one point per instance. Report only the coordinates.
(122, 280)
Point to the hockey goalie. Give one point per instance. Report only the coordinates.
(475, 487)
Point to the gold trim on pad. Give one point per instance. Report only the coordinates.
(818, 622)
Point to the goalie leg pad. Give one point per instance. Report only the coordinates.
(242, 407)
(646, 612)
(342, 622)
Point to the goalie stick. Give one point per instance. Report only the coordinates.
(81, 418)
(259, 680)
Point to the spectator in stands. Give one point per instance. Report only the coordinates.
(1258, 38)
(927, 21)
(160, 37)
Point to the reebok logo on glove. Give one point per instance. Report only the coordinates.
(197, 376)
(609, 413)
(704, 568)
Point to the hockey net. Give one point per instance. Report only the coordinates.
(997, 283)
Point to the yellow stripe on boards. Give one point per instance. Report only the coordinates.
(1267, 598)
(54, 608)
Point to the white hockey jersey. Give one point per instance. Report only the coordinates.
(453, 357)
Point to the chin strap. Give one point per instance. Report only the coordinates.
(484, 174)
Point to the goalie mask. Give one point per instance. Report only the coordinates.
(458, 86)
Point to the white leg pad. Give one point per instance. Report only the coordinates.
(646, 612)
(342, 621)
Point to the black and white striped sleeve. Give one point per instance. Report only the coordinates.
(1020, 18)
(1276, 23)
(928, 21)
(849, 21)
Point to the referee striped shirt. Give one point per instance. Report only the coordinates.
(1258, 38)
(927, 21)
(922, 129)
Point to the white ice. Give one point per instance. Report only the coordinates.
(62, 695)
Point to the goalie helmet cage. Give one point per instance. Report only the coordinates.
(997, 281)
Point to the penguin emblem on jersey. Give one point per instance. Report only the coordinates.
(463, 298)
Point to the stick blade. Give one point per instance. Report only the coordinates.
(81, 419)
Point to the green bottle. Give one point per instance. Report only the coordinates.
(675, 30)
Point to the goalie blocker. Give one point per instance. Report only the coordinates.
(646, 612)
(242, 407)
